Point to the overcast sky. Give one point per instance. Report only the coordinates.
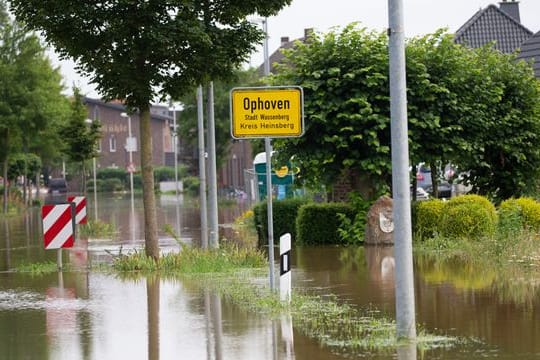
(421, 17)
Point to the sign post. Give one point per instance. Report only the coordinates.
(58, 227)
(267, 112)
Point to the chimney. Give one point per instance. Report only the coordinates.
(511, 8)
(284, 40)
(308, 32)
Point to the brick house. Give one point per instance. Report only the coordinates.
(501, 25)
(112, 147)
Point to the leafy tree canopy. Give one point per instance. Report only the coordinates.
(476, 108)
(134, 50)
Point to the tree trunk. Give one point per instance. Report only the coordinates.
(4, 153)
(149, 201)
(435, 181)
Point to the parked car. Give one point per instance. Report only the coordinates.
(57, 186)
(423, 181)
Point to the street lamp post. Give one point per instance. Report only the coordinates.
(129, 145)
(90, 121)
(175, 144)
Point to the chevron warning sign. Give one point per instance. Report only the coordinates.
(58, 226)
(80, 208)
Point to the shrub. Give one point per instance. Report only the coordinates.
(520, 213)
(318, 224)
(428, 217)
(352, 231)
(191, 185)
(113, 185)
(284, 213)
(469, 216)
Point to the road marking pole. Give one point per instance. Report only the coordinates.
(285, 267)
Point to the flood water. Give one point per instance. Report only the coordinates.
(91, 315)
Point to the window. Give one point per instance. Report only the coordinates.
(112, 143)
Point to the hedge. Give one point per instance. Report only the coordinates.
(284, 213)
(317, 224)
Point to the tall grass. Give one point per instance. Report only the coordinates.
(191, 260)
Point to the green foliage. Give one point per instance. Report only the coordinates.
(24, 164)
(346, 106)
(97, 229)
(285, 212)
(191, 185)
(519, 214)
(166, 173)
(352, 231)
(469, 216)
(37, 269)
(80, 138)
(477, 108)
(192, 260)
(31, 104)
(428, 217)
(112, 185)
(318, 224)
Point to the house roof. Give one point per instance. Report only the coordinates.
(120, 107)
(493, 25)
(530, 50)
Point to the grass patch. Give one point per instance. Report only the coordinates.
(98, 229)
(327, 320)
(42, 268)
(190, 260)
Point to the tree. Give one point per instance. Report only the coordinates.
(346, 108)
(475, 108)
(137, 50)
(30, 91)
(80, 138)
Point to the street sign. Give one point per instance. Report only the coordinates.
(80, 208)
(130, 168)
(58, 226)
(273, 112)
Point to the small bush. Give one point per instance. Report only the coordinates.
(191, 185)
(470, 217)
(428, 217)
(285, 212)
(317, 224)
(113, 185)
(519, 214)
(352, 231)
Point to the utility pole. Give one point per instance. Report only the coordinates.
(268, 150)
(202, 169)
(405, 308)
(212, 172)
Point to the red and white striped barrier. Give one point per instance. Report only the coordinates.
(80, 208)
(58, 226)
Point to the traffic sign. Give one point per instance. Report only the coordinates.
(58, 226)
(80, 208)
(272, 112)
(130, 168)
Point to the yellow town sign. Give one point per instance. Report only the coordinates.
(267, 112)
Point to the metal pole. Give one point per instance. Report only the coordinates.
(268, 149)
(175, 140)
(95, 189)
(202, 169)
(130, 158)
(212, 172)
(405, 308)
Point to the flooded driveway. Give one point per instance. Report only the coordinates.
(91, 315)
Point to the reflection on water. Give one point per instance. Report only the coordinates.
(92, 315)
